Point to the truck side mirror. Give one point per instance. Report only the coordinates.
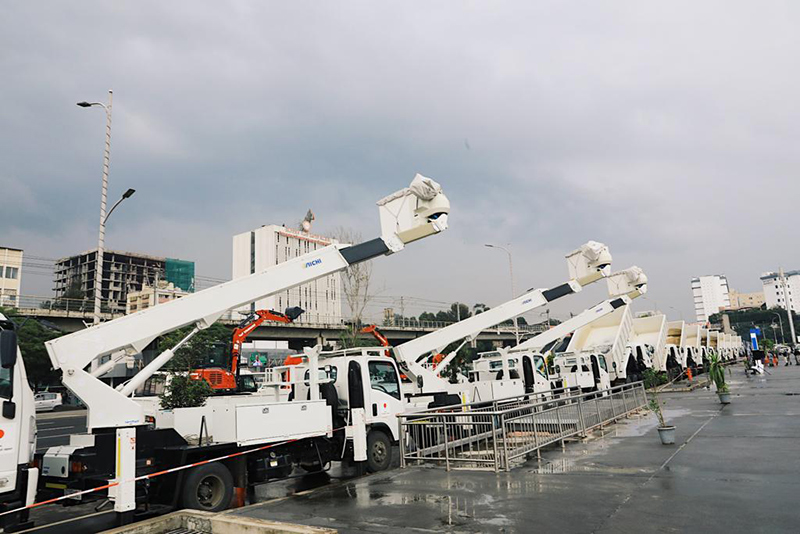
(8, 348)
(9, 410)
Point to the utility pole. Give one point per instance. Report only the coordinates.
(788, 308)
(513, 287)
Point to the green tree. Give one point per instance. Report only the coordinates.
(197, 349)
(743, 320)
(181, 391)
(73, 299)
(31, 336)
(479, 308)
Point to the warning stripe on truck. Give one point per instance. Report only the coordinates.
(144, 477)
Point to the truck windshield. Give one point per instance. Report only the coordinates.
(383, 377)
(541, 367)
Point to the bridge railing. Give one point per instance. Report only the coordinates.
(59, 306)
(84, 309)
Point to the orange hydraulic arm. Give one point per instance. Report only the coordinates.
(222, 379)
(372, 329)
(246, 327)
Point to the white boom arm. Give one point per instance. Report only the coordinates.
(413, 213)
(628, 284)
(586, 265)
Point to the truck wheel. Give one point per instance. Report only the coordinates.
(379, 451)
(208, 487)
(310, 467)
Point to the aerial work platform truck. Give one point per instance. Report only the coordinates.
(146, 460)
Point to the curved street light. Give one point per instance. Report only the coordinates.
(98, 270)
(783, 338)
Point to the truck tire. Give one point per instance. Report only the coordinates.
(208, 487)
(379, 451)
(310, 467)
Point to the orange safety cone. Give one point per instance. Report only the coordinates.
(689, 373)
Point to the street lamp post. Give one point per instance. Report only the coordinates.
(513, 287)
(783, 338)
(774, 327)
(98, 270)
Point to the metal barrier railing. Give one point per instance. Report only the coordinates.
(502, 433)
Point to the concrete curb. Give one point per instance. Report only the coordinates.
(212, 523)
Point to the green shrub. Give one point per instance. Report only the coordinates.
(653, 378)
(716, 372)
(182, 392)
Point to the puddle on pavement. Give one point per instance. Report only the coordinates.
(579, 456)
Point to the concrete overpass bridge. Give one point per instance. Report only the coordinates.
(298, 334)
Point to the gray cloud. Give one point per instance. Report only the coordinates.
(667, 131)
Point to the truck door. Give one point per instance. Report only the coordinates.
(384, 396)
(605, 378)
(528, 374)
(17, 423)
(595, 371)
(355, 385)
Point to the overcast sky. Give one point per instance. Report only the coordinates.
(667, 130)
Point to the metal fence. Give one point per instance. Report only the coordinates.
(503, 433)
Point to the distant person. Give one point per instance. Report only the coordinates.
(797, 354)
(758, 361)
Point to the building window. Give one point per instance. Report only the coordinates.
(12, 273)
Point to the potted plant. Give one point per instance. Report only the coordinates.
(716, 373)
(665, 432)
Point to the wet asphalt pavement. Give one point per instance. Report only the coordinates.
(732, 469)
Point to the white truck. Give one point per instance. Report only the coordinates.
(705, 348)
(693, 355)
(596, 355)
(676, 347)
(18, 477)
(714, 342)
(587, 264)
(528, 355)
(647, 346)
(146, 460)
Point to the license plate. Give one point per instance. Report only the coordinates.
(73, 492)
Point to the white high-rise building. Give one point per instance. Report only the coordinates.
(774, 291)
(10, 276)
(710, 295)
(270, 245)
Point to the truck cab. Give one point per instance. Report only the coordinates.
(17, 428)
(639, 356)
(586, 370)
(676, 358)
(361, 381)
(521, 373)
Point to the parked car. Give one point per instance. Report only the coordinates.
(47, 402)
